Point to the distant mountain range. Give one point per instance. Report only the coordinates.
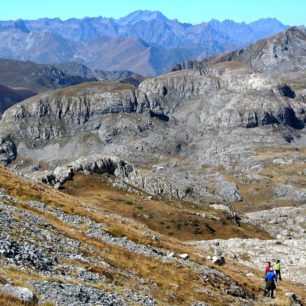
(144, 42)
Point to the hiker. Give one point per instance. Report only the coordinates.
(268, 266)
(270, 279)
(277, 268)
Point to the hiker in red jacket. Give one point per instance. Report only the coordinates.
(268, 266)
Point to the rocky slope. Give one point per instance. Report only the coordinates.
(287, 225)
(63, 251)
(151, 42)
(30, 75)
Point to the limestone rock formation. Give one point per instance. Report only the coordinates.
(194, 134)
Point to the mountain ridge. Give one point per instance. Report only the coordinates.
(55, 40)
(275, 55)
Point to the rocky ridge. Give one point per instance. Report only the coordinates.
(278, 54)
(21, 80)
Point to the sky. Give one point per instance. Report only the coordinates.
(289, 12)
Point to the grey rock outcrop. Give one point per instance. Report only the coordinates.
(96, 164)
(78, 103)
(76, 295)
(23, 253)
(224, 97)
(8, 150)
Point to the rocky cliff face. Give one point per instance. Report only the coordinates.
(225, 97)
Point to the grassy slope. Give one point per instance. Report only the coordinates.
(182, 221)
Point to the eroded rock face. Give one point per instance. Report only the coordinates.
(97, 164)
(223, 98)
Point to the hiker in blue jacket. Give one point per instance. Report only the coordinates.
(271, 280)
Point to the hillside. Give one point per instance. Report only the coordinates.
(88, 255)
(40, 77)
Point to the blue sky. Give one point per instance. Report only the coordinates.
(291, 12)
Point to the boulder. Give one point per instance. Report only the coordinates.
(184, 256)
(21, 293)
(218, 260)
(282, 161)
(171, 254)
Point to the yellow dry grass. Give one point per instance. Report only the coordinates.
(7, 300)
(178, 221)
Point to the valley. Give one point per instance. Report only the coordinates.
(171, 189)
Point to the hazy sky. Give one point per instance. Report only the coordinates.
(291, 12)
